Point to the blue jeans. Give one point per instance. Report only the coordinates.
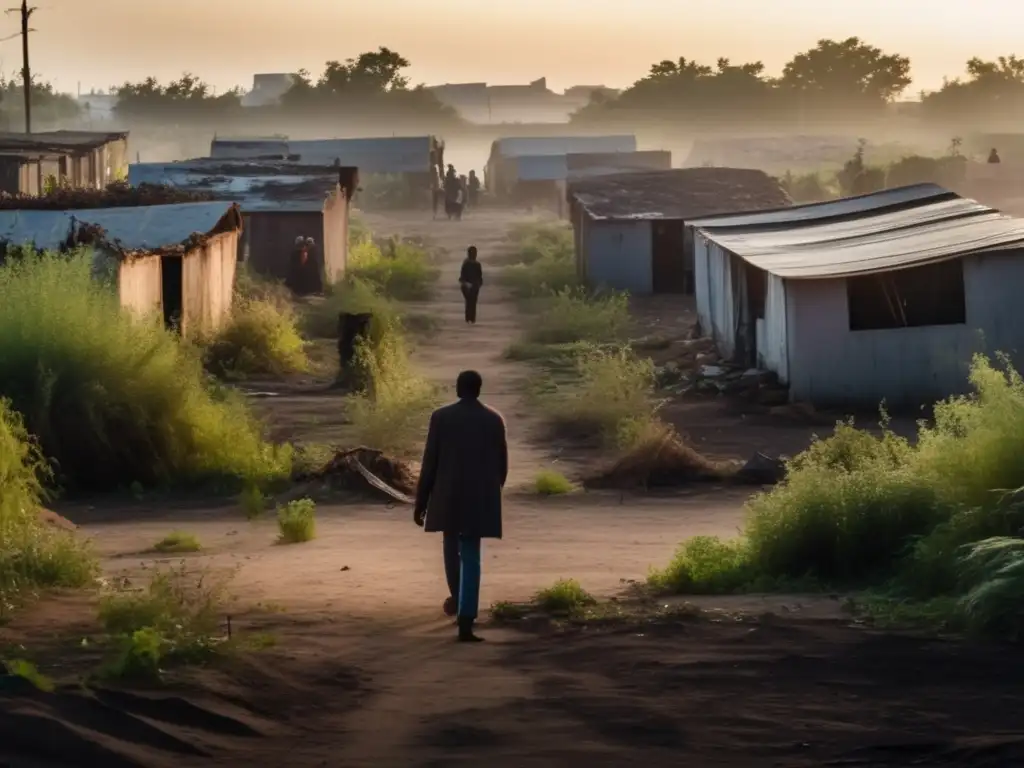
(462, 570)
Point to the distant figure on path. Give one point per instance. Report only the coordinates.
(303, 272)
(471, 278)
(993, 156)
(453, 194)
(465, 466)
(474, 190)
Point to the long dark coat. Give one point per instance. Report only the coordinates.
(465, 465)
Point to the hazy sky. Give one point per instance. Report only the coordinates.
(104, 42)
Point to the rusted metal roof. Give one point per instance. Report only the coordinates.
(874, 241)
(680, 193)
(377, 155)
(889, 199)
(59, 141)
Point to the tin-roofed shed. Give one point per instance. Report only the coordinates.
(89, 159)
(882, 302)
(630, 229)
(279, 201)
(177, 261)
(503, 170)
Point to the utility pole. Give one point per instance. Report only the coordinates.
(26, 71)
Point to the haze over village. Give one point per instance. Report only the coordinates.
(515, 385)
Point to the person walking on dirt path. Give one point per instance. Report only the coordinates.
(474, 190)
(993, 156)
(465, 466)
(471, 279)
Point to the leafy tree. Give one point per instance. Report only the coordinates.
(848, 71)
(47, 104)
(992, 88)
(186, 96)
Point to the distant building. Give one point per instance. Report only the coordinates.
(279, 203)
(630, 229)
(880, 297)
(267, 89)
(177, 261)
(530, 103)
(502, 172)
(86, 159)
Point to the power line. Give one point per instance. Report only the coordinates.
(26, 71)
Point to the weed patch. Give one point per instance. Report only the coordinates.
(296, 521)
(178, 618)
(260, 338)
(33, 556)
(551, 483)
(177, 542)
(544, 260)
(572, 316)
(115, 399)
(353, 296)
(565, 597)
(401, 270)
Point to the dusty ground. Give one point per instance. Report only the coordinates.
(365, 671)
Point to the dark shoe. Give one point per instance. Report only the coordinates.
(466, 632)
(449, 607)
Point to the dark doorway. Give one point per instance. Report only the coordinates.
(171, 291)
(668, 274)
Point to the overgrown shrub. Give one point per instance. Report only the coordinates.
(551, 483)
(296, 521)
(544, 260)
(928, 520)
(33, 555)
(609, 398)
(259, 338)
(390, 413)
(115, 399)
(354, 296)
(571, 315)
(565, 596)
(401, 270)
(178, 617)
(252, 286)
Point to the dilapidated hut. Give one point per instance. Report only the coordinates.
(630, 229)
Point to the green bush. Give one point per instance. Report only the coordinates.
(33, 555)
(565, 596)
(177, 542)
(544, 263)
(353, 296)
(260, 338)
(612, 390)
(879, 511)
(252, 286)
(401, 271)
(115, 399)
(390, 413)
(571, 315)
(551, 483)
(704, 565)
(296, 521)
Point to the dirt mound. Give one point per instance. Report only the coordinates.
(367, 471)
(49, 517)
(662, 460)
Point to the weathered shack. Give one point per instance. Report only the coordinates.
(503, 171)
(279, 201)
(176, 261)
(414, 160)
(85, 159)
(630, 229)
(882, 297)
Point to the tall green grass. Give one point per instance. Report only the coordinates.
(390, 413)
(261, 337)
(571, 315)
(882, 512)
(544, 260)
(354, 296)
(400, 270)
(33, 555)
(114, 399)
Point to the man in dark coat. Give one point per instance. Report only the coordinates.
(471, 278)
(465, 465)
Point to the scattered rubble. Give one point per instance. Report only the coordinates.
(663, 461)
(703, 372)
(368, 472)
(763, 470)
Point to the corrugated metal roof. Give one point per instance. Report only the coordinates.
(875, 242)
(584, 164)
(134, 229)
(833, 209)
(255, 188)
(58, 140)
(520, 146)
(541, 167)
(680, 193)
(378, 155)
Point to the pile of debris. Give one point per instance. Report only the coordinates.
(712, 376)
(367, 472)
(664, 460)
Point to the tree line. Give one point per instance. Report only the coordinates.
(835, 77)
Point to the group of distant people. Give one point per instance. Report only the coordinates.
(457, 193)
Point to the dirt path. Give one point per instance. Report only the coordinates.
(366, 670)
(456, 346)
